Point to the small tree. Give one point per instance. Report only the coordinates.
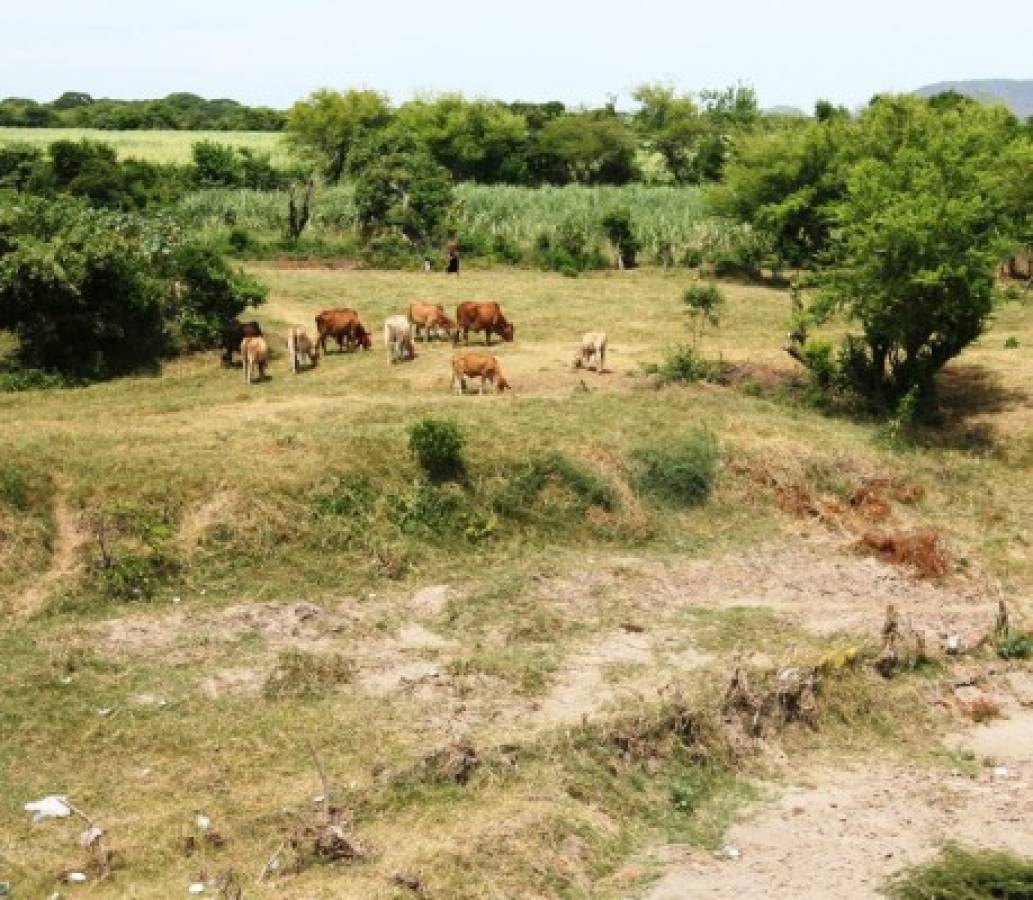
(704, 302)
(618, 226)
(299, 207)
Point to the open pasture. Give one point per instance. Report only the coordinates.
(153, 146)
(282, 577)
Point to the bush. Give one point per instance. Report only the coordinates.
(350, 497)
(587, 487)
(239, 239)
(704, 302)
(14, 488)
(618, 227)
(389, 250)
(1015, 644)
(962, 874)
(680, 473)
(684, 365)
(437, 445)
(1011, 342)
(92, 294)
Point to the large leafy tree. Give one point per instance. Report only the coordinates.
(587, 148)
(399, 186)
(917, 238)
(328, 124)
(476, 140)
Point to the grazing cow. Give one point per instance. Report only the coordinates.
(593, 347)
(300, 345)
(483, 316)
(233, 332)
(344, 326)
(430, 317)
(398, 339)
(477, 365)
(254, 352)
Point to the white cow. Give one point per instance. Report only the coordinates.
(300, 345)
(398, 339)
(593, 347)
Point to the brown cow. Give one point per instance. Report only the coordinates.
(429, 316)
(254, 352)
(344, 326)
(477, 365)
(483, 316)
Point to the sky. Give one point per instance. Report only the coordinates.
(264, 53)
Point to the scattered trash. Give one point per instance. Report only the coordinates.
(5, 889)
(90, 837)
(76, 878)
(64, 679)
(53, 806)
(105, 711)
(728, 852)
(176, 599)
(954, 645)
(1001, 772)
(196, 888)
(203, 821)
(319, 799)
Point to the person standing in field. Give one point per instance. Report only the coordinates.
(452, 252)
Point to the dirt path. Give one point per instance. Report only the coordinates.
(844, 832)
(69, 539)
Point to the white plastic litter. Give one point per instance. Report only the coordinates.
(90, 837)
(76, 878)
(203, 821)
(196, 888)
(728, 852)
(53, 806)
(1001, 772)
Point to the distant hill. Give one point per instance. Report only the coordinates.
(1016, 94)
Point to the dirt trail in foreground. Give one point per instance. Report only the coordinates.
(69, 539)
(844, 832)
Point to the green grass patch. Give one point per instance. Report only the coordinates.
(680, 472)
(961, 873)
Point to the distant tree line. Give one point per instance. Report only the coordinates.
(176, 112)
(491, 142)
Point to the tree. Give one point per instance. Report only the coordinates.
(91, 293)
(918, 236)
(328, 124)
(476, 140)
(673, 125)
(617, 224)
(398, 185)
(587, 148)
(783, 183)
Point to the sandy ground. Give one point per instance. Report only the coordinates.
(843, 832)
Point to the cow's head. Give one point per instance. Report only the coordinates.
(501, 384)
(363, 338)
(506, 331)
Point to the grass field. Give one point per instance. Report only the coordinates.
(153, 146)
(205, 580)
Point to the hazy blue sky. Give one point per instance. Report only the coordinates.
(577, 51)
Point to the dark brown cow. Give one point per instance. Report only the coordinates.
(233, 332)
(483, 316)
(344, 326)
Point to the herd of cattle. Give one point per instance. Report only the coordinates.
(401, 332)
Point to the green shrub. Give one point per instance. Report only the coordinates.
(521, 490)
(239, 239)
(704, 301)
(351, 496)
(128, 575)
(27, 379)
(389, 250)
(679, 473)
(1011, 342)
(683, 364)
(437, 445)
(1015, 644)
(300, 675)
(619, 229)
(820, 363)
(959, 873)
(693, 258)
(430, 510)
(14, 487)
